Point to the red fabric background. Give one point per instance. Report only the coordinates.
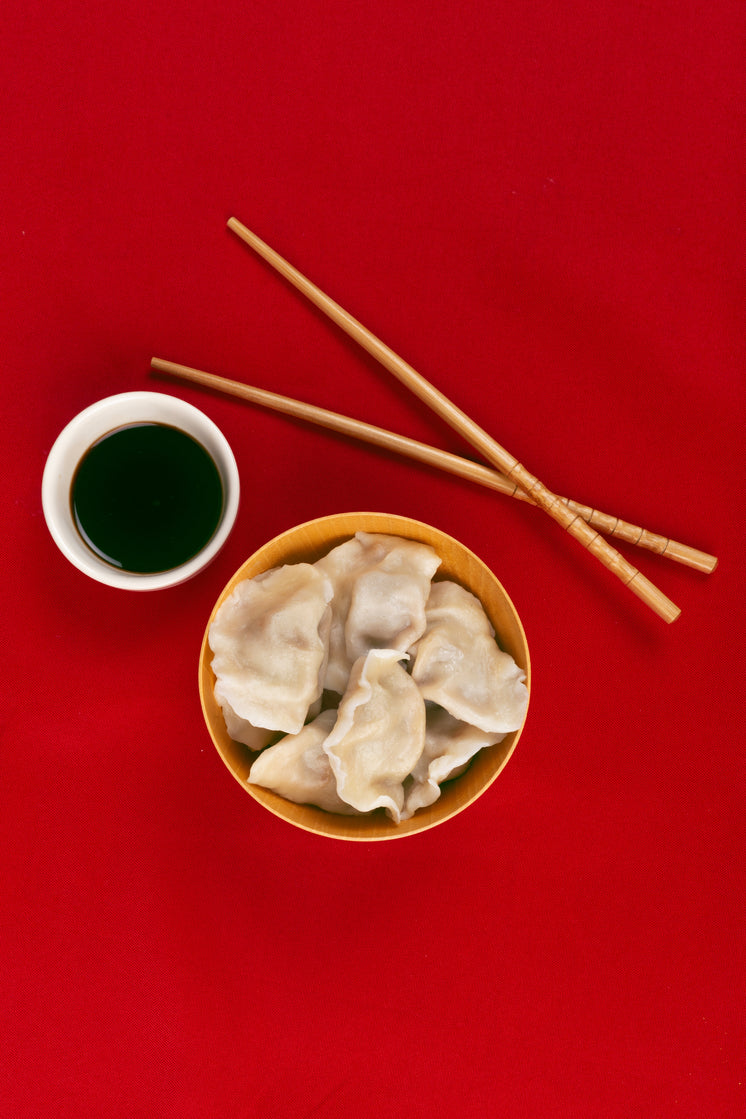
(540, 206)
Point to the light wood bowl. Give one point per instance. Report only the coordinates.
(307, 543)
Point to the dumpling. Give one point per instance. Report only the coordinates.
(256, 738)
(341, 565)
(381, 584)
(387, 604)
(379, 734)
(459, 665)
(270, 644)
(241, 730)
(297, 768)
(449, 747)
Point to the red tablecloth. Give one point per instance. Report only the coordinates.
(539, 206)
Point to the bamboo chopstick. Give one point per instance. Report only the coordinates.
(432, 456)
(572, 522)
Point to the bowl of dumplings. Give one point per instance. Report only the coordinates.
(364, 676)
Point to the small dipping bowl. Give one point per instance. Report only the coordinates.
(100, 419)
(307, 543)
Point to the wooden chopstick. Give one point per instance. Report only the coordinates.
(572, 522)
(432, 456)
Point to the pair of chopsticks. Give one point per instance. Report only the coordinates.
(510, 476)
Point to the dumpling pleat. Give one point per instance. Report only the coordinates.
(379, 734)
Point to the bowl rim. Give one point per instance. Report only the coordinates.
(92, 423)
(307, 817)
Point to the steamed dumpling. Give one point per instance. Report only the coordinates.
(449, 747)
(341, 566)
(241, 730)
(256, 738)
(379, 734)
(270, 644)
(458, 664)
(381, 584)
(297, 768)
(387, 604)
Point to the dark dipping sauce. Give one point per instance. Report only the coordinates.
(146, 497)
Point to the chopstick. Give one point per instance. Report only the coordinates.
(497, 455)
(432, 456)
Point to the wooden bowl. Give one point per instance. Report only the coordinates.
(307, 543)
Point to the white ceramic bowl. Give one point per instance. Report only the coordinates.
(93, 423)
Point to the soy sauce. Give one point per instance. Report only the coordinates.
(146, 497)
